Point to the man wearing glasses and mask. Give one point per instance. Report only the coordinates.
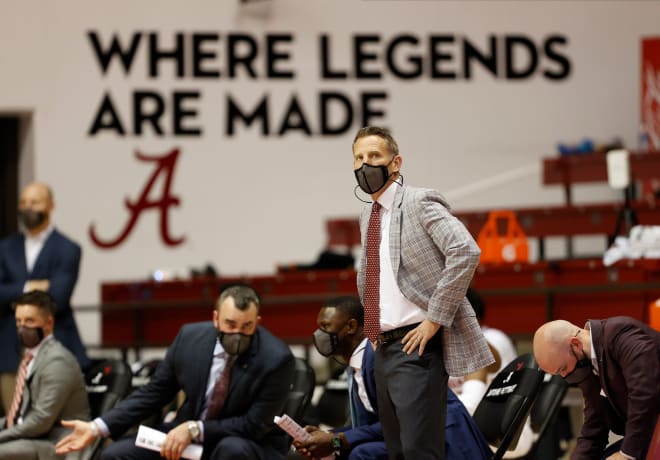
(235, 376)
(616, 364)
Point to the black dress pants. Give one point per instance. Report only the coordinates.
(412, 400)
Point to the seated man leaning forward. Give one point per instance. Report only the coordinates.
(616, 364)
(235, 376)
(340, 334)
(49, 385)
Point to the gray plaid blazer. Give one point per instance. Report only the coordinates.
(434, 258)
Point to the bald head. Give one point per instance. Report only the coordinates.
(37, 191)
(35, 206)
(553, 344)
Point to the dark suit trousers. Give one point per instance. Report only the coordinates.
(229, 448)
(412, 400)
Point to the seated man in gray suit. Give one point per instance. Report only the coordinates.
(49, 385)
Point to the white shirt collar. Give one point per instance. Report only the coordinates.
(594, 359)
(356, 358)
(41, 236)
(386, 199)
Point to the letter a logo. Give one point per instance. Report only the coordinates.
(164, 166)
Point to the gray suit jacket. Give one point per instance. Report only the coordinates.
(433, 259)
(55, 390)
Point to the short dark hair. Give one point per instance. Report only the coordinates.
(40, 299)
(383, 133)
(350, 305)
(477, 303)
(243, 296)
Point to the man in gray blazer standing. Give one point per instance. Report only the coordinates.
(417, 263)
(49, 385)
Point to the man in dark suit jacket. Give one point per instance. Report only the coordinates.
(616, 364)
(261, 374)
(53, 389)
(39, 258)
(340, 334)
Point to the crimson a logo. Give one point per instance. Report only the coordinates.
(164, 166)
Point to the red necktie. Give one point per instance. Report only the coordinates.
(18, 389)
(220, 390)
(372, 280)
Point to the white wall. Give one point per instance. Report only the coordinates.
(249, 202)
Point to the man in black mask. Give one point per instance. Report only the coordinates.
(49, 387)
(340, 335)
(417, 262)
(37, 258)
(235, 376)
(616, 364)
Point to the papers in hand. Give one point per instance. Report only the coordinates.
(297, 432)
(151, 439)
(289, 425)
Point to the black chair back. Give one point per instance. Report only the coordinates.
(503, 410)
(142, 375)
(548, 402)
(300, 391)
(334, 406)
(107, 382)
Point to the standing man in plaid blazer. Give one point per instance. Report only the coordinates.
(412, 283)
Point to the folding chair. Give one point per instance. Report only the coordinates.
(504, 408)
(300, 391)
(300, 395)
(108, 382)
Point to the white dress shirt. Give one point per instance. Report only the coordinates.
(34, 245)
(395, 310)
(356, 364)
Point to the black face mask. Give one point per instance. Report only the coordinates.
(372, 178)
(583, 369)
(30, 337)
(235, 343)
(32, 219)
(325, 342)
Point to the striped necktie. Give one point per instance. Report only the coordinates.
(19, 389)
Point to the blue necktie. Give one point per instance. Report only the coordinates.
(352, 396)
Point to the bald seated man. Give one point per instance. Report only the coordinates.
(616, 364)
(36, 258)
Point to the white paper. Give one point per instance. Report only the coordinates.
(151, 439)
(297, 432)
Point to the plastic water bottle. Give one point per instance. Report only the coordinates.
(643, 138)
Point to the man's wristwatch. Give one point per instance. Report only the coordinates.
(336, 444)
(193, 429)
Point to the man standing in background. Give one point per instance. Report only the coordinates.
(37, 258)
(417, 263)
